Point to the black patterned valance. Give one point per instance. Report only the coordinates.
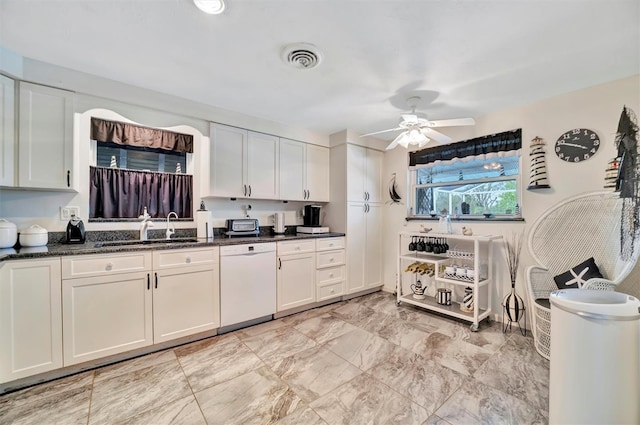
(136, 135)
(500, 142)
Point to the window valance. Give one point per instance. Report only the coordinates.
(135, 135)
(494, 143)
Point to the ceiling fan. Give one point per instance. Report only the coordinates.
(418, 130)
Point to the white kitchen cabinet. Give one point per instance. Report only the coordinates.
(295, 280)
(186, 292)
(304, 171)
(30, 318)
(364, 246)
(317, 173)
(243, 164)
(364, 174)
(330, 268)
(228, 167)
(7, 131)
(106, 315)
(136, 299)
(45, 142)
(262, 166)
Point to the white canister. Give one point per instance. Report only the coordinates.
(34, 236)
(8, 234)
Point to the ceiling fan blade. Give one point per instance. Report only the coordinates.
(409, 117)
(453, 122)
(383, 131)
(394, 143)
(435, 135)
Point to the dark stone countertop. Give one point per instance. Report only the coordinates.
(111, 246)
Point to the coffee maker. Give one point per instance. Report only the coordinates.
(312, 215)
(312, 221)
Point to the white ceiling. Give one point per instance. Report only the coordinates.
(464, 57)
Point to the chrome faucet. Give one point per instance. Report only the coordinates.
(171, 229)
(145, 224)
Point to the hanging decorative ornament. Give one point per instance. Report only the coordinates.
(538, 168)
(114, 164)
(393, 191)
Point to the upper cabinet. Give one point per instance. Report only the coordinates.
(7, 130)
(304, 171)
(243, 164)
(45, 144)
(364, 174)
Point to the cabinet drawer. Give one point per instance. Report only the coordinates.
(296, 247)
(328, 244)
(330, 291)
(330, 275)
(98, 265)
(185, 257)
(329, 258)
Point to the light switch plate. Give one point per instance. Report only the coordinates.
(67, 212)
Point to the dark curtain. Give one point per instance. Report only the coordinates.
(135, 135)
(118, 193)
(505, 141)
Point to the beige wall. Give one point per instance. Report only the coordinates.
(597, 108)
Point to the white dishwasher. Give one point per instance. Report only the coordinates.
(247, 282)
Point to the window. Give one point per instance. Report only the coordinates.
(474, 187)
(144, 159)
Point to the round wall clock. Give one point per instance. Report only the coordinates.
(577, 145)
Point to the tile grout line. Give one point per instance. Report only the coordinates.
(191, 388)
(93, 380)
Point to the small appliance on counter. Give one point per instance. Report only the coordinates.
(312, 230)
(75, 231)
(278, 223)
(312, 215)
(242, 227)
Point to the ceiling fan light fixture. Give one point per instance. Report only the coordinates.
(212, 7)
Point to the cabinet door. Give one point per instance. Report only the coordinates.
(106, 315)
(30, 318)
(46, 137)
(296, 281)
(317, 162)
(373, 246)
(292, 170)
(227, 165)
(356, 170)
(185, 301)
(373, 176)
(356, 245)
(262, 166)
(7, 134)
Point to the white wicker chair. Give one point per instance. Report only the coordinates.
(584, 226)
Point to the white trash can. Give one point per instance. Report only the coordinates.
(595, 358)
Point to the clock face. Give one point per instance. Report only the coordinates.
(577, 145)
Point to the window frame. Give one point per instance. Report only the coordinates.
(412, 176)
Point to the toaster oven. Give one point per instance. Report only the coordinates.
(242, 227)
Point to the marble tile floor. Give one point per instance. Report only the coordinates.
(361, 361)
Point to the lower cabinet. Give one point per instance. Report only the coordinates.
(117, 310)
(106, 315)
(185, 302)
(295, 274)
(30, 318)
(330, 268)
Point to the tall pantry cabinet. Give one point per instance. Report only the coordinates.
(356, 209)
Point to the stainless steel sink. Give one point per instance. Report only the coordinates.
(147, 242)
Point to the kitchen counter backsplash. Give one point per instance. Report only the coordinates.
(57, 247)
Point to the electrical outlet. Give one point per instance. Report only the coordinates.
(67, 212)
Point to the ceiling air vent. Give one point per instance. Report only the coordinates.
(302, 55)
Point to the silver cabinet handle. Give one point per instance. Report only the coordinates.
(245, 190)
(365, 195)
(249, 190)
(308, 194)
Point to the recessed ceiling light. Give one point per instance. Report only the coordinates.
(212, 7)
